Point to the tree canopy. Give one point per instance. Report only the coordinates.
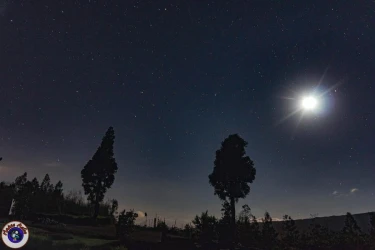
(233, 171)
(98, 174)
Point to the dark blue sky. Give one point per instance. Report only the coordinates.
(174, 79)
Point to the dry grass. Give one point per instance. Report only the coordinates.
(71, 237)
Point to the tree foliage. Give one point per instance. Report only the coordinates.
(372, 229)
(233, 172)
(248, 228)
(113, 208)
(245, 215)
(98, 174)
(269, 234)
(125, 223)
(205, 227)
(351, 233)
(162, 226)
(290, 235)
(23, 194)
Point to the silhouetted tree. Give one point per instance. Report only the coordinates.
(35, 184)
(188, 230)
(320, 237)
(45, 196)
(232, 173)
(98, 174)
(244, 226)
(125, 224)
(372, 229)
(75, 204)
(224, 229)
(290, 234)
(114, 207)
(36, 203)
(205, 227)
(162, 226)
(22, 197)
(255, 234)
(226, 212)
(58, 196)
(351, 233)
(245, 215)
(46, 187)
(269, 234)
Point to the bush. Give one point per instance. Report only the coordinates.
(37, 243)
(76, 220)
(125, 224)
(61, 236)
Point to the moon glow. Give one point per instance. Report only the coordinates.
(309, 103)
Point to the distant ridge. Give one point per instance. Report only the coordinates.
(334, 223)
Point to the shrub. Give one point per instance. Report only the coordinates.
(125, 224)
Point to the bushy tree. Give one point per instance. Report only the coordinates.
(45, 199)
(244, 226)
(224, 228)
(161, 225)
(245, 215)
(46, 187)
(58, 196)
(75, 204)
(372, 229)
(290, 234)
(35, 203)
(113, 209)
(98, 174)
(188, 230)
(125, 223)
(233, 172)
(255, 233)
(226, 212)
(319, 237)
(351, 233)
(23, 197)
(205, 227)
(269, 234)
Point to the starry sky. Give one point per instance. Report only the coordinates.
(174, 79)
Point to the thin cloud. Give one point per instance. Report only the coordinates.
(339, 194)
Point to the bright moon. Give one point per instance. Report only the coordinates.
(309, 103)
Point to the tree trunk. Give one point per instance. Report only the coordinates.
(96, 209)
(233, 219)
(233, 210)
(96, 206)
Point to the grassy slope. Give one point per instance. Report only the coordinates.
(44, 237)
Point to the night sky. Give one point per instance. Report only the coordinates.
(174, 79)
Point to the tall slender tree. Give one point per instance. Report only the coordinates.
(269, 234)
(98, 174)
(372, 228)
(290, 234)
(233, 172)
(351, 232)
(58, 196)
(45, 194)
